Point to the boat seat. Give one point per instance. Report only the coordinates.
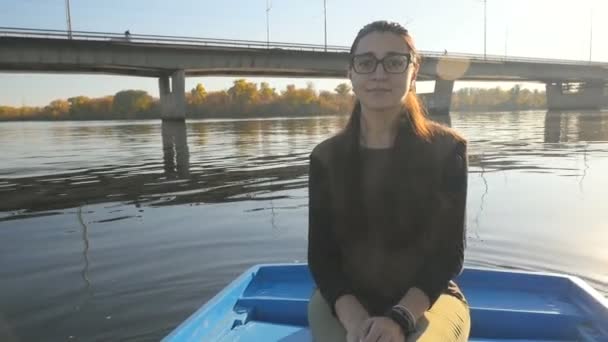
(511, 313)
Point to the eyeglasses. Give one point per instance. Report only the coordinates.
(393, 63)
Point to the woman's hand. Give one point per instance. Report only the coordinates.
(355, 331)
(382, 329)
(352, 315)
(354, 335)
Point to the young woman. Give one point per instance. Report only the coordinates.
(387, 208)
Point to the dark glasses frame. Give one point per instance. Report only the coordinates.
(408, 56)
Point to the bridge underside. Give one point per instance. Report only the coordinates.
(235, 71)
(175, 62)
(579, 95)
(80, 69)
(155, 60)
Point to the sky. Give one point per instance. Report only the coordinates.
(526, 28)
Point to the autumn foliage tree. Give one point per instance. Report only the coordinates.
(246, 99)
(131, 104)
(497, 99)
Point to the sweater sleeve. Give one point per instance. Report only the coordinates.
(444, 257)
(323, 251)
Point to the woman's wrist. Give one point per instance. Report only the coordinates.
(403, 317)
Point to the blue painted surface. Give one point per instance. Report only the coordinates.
(269, 303)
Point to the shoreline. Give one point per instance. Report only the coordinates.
(264, 117)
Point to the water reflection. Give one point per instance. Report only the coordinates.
(87, 291)
(445, 120)
(571, 126)
(176, 155)
(226, 161)
(234, 160)
(249, 137)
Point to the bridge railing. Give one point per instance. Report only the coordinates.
(235, 43)
(158, 39)
(504, 59)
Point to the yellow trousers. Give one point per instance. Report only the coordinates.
(448, 320)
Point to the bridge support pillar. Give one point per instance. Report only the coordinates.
(172, 89)
(580, 95)
(439, 102)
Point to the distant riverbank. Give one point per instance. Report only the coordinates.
(248, 100)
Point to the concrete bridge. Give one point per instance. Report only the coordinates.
(569, 84)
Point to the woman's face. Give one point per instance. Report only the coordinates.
(381, 90)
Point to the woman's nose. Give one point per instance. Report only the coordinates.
(379, 73)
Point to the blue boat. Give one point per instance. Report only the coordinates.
(269, 303)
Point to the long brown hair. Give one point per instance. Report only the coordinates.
(413, 110)
(414, 133)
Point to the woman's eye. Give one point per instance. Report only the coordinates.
(365, 63)
(395, 63)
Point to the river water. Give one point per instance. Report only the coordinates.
(119, 230)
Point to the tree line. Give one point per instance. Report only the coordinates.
(497, 99)
(247, 99)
